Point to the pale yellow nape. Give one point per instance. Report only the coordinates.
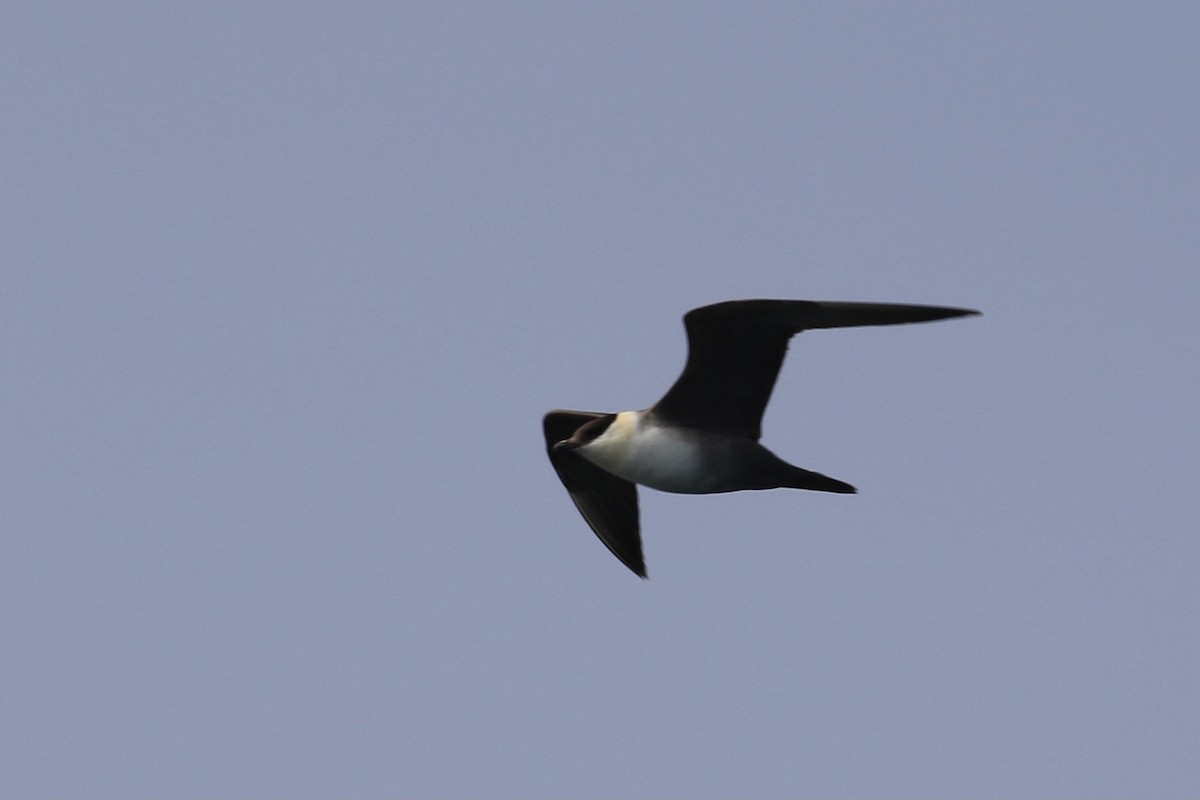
(612, 448)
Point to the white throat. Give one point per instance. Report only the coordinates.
(637, 449)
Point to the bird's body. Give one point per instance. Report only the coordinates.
(640, 448)
(702, 436)
(636, 448)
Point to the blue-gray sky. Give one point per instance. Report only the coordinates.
(287, 287)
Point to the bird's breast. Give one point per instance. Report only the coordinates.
(663, 458)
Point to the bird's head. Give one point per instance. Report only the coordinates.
(587, 433)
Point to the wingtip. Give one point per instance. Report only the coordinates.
(950, 312)
(637, 568)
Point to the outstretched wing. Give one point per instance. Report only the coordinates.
(608, 503)
(735, 350)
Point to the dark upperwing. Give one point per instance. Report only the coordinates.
(735, 350)
(608, 503)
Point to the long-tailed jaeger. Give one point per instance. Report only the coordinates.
(702, 436)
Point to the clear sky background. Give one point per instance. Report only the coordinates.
(287, 287)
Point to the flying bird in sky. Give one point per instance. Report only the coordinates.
(702, 436)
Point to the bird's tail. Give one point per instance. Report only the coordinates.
(815, 481)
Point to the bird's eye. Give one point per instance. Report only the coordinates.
(595, 428)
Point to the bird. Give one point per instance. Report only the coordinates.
(702, 437)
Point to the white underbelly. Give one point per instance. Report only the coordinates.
(659, 458)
